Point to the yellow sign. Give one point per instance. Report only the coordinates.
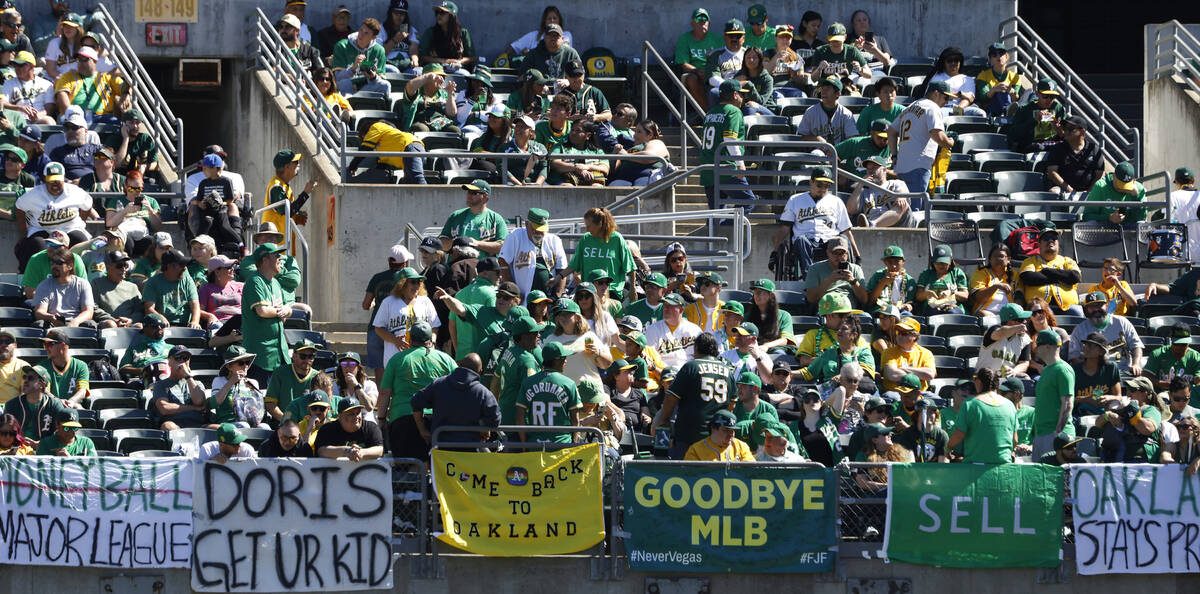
(165, 11)
(514, 505)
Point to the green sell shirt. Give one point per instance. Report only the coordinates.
(703, 386)
(73, 377)
(853, 151)
(641, 310)
(690, 51)
(81, 446)
(485, 226)
(172, 299)
(722, 122)
(263, 336)
(1056, 380)
(874, 112)
(515, 366)
(546, 400)
(989, 428)
(408, 372)
(285, 386)
(613, 256)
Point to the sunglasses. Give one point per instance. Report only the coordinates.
(825, 185)
(881, 409)
(306, 357)
(1038, 312)
(476, 193)
(134, 188)
(183, 357)
(240, 364)
(347, 363)
(808, 399)
(9, 433)
(322, 79)
(71, 429)
(290, 438)
(1184, 399)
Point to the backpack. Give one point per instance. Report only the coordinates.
(1022, 242)
(101, 370)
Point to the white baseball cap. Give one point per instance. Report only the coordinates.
(400, 253)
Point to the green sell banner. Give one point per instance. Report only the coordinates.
(975, 515)
(730, 518)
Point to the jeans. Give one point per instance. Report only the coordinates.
(756, 110)
(998, 105)
(806, 250)
(730, 192)
(970, 110)
(917, 180)
(414, 167)
(781, 92)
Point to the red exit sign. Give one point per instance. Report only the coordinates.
(166, 34)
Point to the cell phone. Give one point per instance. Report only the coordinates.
(843, 266)
(662, 439)
(869, 36)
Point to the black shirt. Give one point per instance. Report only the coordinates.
(332, 434)
(221, 185)
(271, 448)
(1077, 169)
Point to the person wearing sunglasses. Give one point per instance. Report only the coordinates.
(12, 443)
(290, 384)
(236, 397)
(179, 401)
(36, 409)
(813, 219)
(150, 349)
(286, 442)
(1179, 393)
(64, 441)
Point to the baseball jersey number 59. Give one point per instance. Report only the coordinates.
(714, 388)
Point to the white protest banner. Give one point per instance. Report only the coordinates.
(292, 524)
(99, 512)
(1135, 518)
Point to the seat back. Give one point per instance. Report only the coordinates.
(960, 235)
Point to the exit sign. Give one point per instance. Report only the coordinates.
(166, 34)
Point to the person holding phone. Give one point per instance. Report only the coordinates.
(871, 44)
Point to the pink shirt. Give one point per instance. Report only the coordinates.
(223, 303)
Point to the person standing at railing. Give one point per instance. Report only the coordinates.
(1185, 208)
(1121, 185)
(986, 425)
(1055, 394)
(352, 52)
(551, 399)
(287, 167)
(691, 55)
(915, 136)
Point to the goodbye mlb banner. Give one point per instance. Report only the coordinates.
(512, 505)
(99, 512)
(975, 515)
(720, 518)
(1135, 518)
(288, 524)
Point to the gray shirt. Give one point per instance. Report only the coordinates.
(835, 129)
(175, 392)
(1118, 329)
(119, 300)
(66, 299)
(818, 272)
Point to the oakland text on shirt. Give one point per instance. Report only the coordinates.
(670, 344)
(56, 216)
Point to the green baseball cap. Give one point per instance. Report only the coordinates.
(1046, 86)
(17, 152)
(734, 27)
(879, 127)
(734, 307)
(875, 402)
(285, 156)
(228, 434)
(1012, 384)
(1184, 174)
(1181, 334)
(910, 381)
(39, 371)
(536, 296)
(835, 32)
(1124, 176)
(131, 115)
(619, 365)
(539, 218)
(733, 85)
(833, 303)
(893, 251)
(746, 329)
(1049, 337)
(698, 13)
(420, 333)
(876, 429)
(657, 279)
(433, 67)
(265, 249)
(599, 274)
(764, 284)
(710, 277)
(943, 254)
(478, 185)
(1012, 311)
(831, 81)
(821, 174)
(409, 273)
(635, 336)
(566, 305)
(750, 379)
(591, 392)
(585, 287)
(525, 325)
(447, 6)
(555, 350)
(942, 87)
(673, 299)
(305, 344)
(723, 418)
(774, 428)
(757, 14)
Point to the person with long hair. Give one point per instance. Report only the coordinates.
(869, 42)
(407, 304)
(816, 427)
(351, 381)
(774, 324)
(993, 285)
(948, 67)
(598, 318)
(589, 353)
(497, 134)
(149, 263)
(61, 50)
(1041, 317)
(530, 96)
(849, 348)
(581, 140)
(942, 288)
(12, 443)
(760, 99)
(809, 34)
(782, 59)
(678, 272)
(879, 448)
(335, 101)
(551, 15)
(398, 36)
(447, 42)
(475, 103)
(136, 214)
(986, 425)
(604, 247)
(883, 337)
(640, 166)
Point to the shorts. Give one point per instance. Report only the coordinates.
(374, 350)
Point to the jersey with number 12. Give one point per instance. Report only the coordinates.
(916, 149)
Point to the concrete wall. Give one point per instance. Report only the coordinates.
(1172, 125)
(916, 27)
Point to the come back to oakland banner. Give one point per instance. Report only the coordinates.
(512, 505)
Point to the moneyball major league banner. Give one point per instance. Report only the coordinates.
(511, 505)
(100, 512)
(740, 517)
(1135, 518)
(975, 515)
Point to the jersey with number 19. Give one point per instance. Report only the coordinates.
(723, 122)
(916, 148)
(703, 386)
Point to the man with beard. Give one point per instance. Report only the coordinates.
(533, 257)
(77, 153)
(64, 299)
(306, 55)
(1115, 329)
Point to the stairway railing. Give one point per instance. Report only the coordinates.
(685, 99)
(1175, 52)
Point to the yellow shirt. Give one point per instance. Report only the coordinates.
(102, 93)
(982, 279)
(1113, 294)
(918, 357)
(10, 379)
(1062, 296)
(817, 340)
(697, 314)
(385, 138)
(270, 216)
(705, 451)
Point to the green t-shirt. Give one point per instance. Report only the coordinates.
(198, 272)
(1025, 425)
(907, 292)
(722, 122)
(298, 407)
(345, 51)
(703, 386)
(288, 277)
(263, 336)
(819, 271)
(825, 54)
(286, 386)
(37, 419)
(80, 446)
(144, 268)
(954, 280)
(548, 137)
(516, 102)
(141, 150)
(989, 429)
(546, 400)
(485, 226)
(852, 151)
(927, 447)
(408, 372)
(516, 364)
(829, 363)
(145, 353)
(172, 299)
(16, 187)
(1165, 366)
(479, 292)
(588, 99)
(555, 177)
(38, 269)
(1057, 380)
(425, 109)
(73, 377)
(750, 423)
(225, 412)
(874, 112)
(1104, 191)
(641, 310)
(612, 256)
(763, 42)
(690, 51)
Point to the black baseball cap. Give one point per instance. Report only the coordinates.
(574, 68)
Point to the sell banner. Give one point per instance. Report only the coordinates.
(292, 525)
(739, 517)
(1135, 518)
(975, 515)
(514, 505)
(97, 512)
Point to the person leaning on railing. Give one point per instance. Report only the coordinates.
(382, 136)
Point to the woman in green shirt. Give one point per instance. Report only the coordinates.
(581, 140)
(148, 264)
(943, 288)
(604, 248)
(530, 98)
(986, 425)
(497, 133)
(774, 324)
(816, 429)
(828, 363)
(759, 101)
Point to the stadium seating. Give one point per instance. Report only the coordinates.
(133, 440)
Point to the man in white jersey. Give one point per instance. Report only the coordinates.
(1185, 208)
(50, 206)
(813, 218)
(916, 135)
(746, 355)
(673, 336)
(533, 257)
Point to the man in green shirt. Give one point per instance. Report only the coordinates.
(1119, 185)
(13, 179)
(552, 53)
(38, 268)
(836, 57)
(1055, 394)
(554, 130)
(350, 54)
(886, 108)
(118, 301)
(407, 373)
(288, 276)
(64, 442)
(649, 310)
(724, 122)
(484, 227)
(691, 55)
(762, 37)
(290, 382)
(853, 151)
(465, 336)
(150, 348)
(263, 313)
(1013, 389)
(171, 293)
(133, 149)
(36, 408)
(752, 412)
(487, 319)
(68, 376)
(549, 398)
(519, 361)
(986, 426)
(1174, 360)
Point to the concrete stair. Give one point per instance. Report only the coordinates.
(344, 336)
(1122, 92)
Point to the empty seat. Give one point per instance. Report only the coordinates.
(255, 436)
(965, 346)
(188, 337)
(119, 338)
(980, 141)
(757, 125)
(125, 418)
(99, 437)
(969, 124)
(192, 435)
(935, 344)
(947, 325)
(960, 235)
(105, 398)
(854, 104)
(1093, 241)
(434, 140)
(736, 295)
(951, 367)
(994, 161)
(16, 316)
(962, 182)
(793, 302)
(133, 440)
(1008, 182)
(1162, 325)
(465, 176)
(154, 454)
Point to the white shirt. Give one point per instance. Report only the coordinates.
(520, 253)
(370, 389)
(529, 41)
(1184, 206)
(823, 219)
(401, 48)
(44, 212)
(579, 365)
(677, 346)
(28, 93)
(743, 362)
(193, 181)
(728, 65)
(397, 317)
(210, 449)
(916, 148)
(959, 83)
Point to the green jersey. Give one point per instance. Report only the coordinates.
(548, 136)
(547, 399)
(286, 385)
(643, 311)
(172, 299)
(589, 100)
(849, 54)
(750, 423)
(1057, 380)
(874, 112)
(485, 226)
(703, 386)
(1104, 190)
(828, 363)
(989, 427)
(145, 353)
(1165, 366)
(906, 292)
(408, 372)
(71, 379)
(722, 122)
(1025, 425)
(288, 277)
(224, 412)
(263, 336)
(479, 292)
(689, 50)
(764, 42)
(80, 446)
(853, 151)
(298, 407)
(611, 255)
(141, 150)
(556, 177)
(516, 364)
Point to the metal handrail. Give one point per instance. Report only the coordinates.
(1175, 52)
(162, 125)
(1121, 142)
(291, 230)
(721, 170)
(685, 98)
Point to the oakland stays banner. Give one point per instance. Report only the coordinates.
(288, 524)
(975, 515)
(100, 512)
(740, 517)
(1135, 518)
(511, 505)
